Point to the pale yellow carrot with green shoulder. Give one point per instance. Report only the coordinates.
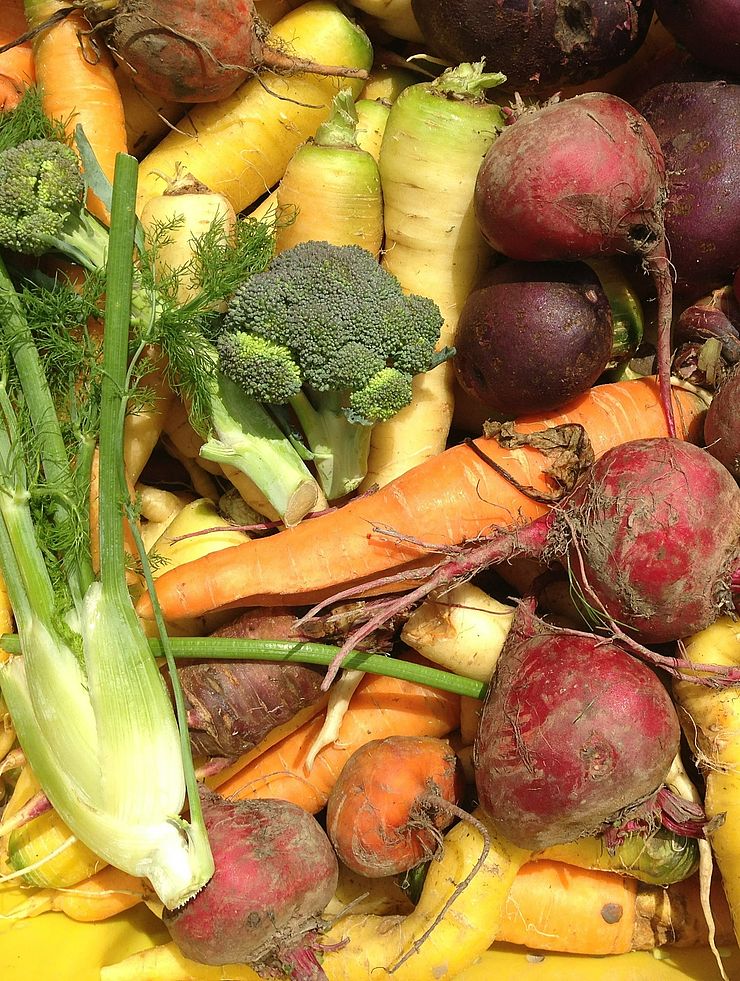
(241, 145)
(434, 142)
(332, 186)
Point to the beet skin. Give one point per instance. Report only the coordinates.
(698, 127)
(655, 535)
(573, 730)
(532, 336)
(275, 873)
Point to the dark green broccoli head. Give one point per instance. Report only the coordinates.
(343, 316)
(41, 186)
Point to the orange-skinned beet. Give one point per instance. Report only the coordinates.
(194, 51)
(384, 815)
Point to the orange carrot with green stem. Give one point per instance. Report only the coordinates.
(453, 497)
(17, 70)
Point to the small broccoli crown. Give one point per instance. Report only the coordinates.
(40, 187)
(387, 392)
(265, 370)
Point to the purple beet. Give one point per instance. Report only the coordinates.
(698, 127)
(722, 424)
(540, 45)
(709, 29)
(533, 335)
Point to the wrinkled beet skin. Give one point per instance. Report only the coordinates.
(233, 705)
(275, 873)
(539, 45)
(709, 29)
(582, 178)
(722, 425)
(199, 51)
(532, 336)
(698, 127)
(572, 731)
(657, 528)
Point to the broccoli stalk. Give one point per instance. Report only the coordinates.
(42, 194)
(329, 333)
(247, 438)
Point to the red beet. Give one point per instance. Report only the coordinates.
(698, 127)
(655, 534)
(193, 50)
(573, 731)
(275, 873)
(580, 179)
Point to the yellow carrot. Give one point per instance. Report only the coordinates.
(240, 146)
(395, 17)
(332, 187)
(711, 721)
(451, 925)
(387, 83)
(434, 142)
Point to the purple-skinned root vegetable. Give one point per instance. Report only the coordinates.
(275, 872)
(533, 335)
(574, 732)
(540, 46)
(709, 29)
(722, 425)
(698, 127)
(581, 179)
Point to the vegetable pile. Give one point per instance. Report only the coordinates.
(369, 486)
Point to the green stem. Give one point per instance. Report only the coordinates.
(119, 284)
(302, 652)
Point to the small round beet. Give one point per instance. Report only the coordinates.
(275, 872)
(533, 335)
(722, 425)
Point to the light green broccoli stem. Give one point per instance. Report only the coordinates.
(247, 438)
(340, 448)
(84, 240)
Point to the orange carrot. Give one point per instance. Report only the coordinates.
(17, 71)
(557, 907)
(78, 84)
(452, 497)
(380, 707)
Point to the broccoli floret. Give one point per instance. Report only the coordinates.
(42, 210)
(353, 337)
(266, 370)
